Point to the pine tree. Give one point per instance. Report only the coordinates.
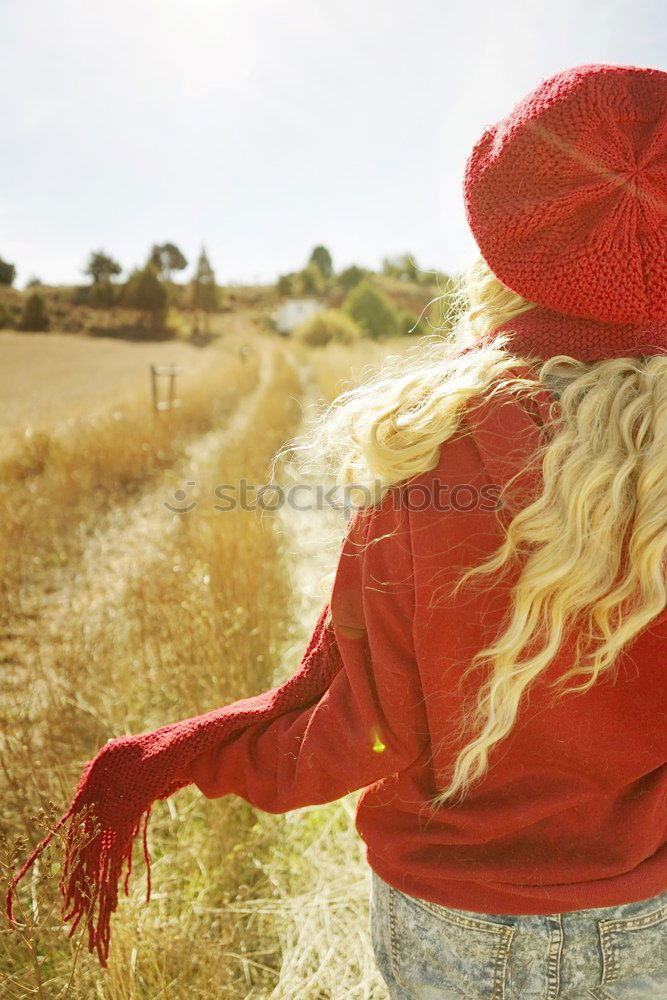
(204, 288)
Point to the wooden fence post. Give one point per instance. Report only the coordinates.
(172, 401)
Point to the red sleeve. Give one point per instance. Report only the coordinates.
(370, 722)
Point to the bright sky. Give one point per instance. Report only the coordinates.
(261, 128)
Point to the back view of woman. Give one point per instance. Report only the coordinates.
(490, 667)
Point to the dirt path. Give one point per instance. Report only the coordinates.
(67, 598)
(312, 535)
(129, 538)
(66, 594)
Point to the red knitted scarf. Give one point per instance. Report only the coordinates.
(119, 785)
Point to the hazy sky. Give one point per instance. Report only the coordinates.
(264, 127)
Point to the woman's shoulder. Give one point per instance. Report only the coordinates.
(456, 458)
(495, 441)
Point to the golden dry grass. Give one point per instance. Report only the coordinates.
(339, 367)
(47, 377)
(54, 481)
(176, 634)
(120, 616)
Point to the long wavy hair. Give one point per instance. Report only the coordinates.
(591, 547)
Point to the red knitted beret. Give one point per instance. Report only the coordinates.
(567, 199)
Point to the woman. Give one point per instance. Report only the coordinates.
(509, 736)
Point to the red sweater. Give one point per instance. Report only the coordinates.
(572, 812)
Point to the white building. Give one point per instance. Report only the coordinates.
(292, 312)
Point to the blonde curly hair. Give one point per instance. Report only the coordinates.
(592, 545)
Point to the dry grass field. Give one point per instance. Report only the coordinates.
(45, 376)
(118, 615)
(48, 377)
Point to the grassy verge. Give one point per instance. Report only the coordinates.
(337, 367)
(201, 623)
(311, 905)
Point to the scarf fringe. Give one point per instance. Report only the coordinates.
(102, 828)
(90, 875)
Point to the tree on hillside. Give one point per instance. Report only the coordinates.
(7, 272)
(145, 291)
(321, 258)
(350, 277)
(101, 267)
(167, 258)
(204, 288)
(372, 310)
(326, 326)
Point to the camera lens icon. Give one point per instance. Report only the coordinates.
(180, 497)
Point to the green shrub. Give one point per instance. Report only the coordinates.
(285, 284)
(372, 310)
(34, 317)
(103, 294)
(410, 325)
(310, 280)
(330, 325)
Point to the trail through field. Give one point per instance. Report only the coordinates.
(312, 529)
(70, 605)
(135, 536)
(316, 901)
(75, 593)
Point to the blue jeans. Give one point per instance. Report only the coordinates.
(430, 952)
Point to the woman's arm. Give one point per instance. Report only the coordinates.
(370, 722)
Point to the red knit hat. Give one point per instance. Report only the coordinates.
(567, 199)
